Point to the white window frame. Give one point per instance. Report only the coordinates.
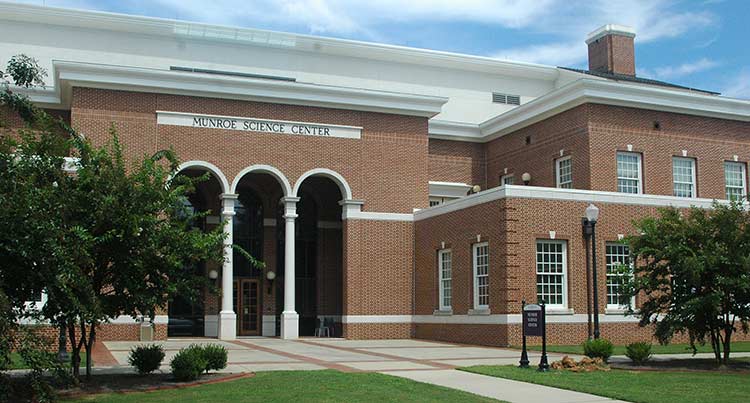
(475, 248)
(694, 185)
(558, 179)
(640, 171)
(506, 177)
(564, 273)
(615, 307)
(744, 178)
(442, 279)
(36, 305)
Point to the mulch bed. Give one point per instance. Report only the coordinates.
(134, 383)
(687, 365)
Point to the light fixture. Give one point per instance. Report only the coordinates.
(476, 189)
(526, 178)
(213, 274)
(271, 275)
(592, 213)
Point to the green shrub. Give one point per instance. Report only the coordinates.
(146, 359)
(601, 348)
(188, 364)
(639, 352)
(215, 356)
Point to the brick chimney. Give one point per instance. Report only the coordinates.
(611, 50)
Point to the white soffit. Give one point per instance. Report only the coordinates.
(69, 74)
(596, 91)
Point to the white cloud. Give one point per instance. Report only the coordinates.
(739, 86)
(685, 69)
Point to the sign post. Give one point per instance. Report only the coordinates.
(534, 324)
(524, 355)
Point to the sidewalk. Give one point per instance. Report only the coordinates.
(499, 388)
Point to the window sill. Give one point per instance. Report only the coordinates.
(560, 311)
(479, 311)
(443, 312)
(616, 311)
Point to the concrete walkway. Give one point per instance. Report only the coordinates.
(499, 388)
(419, 360)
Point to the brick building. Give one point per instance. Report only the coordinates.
(392, 192)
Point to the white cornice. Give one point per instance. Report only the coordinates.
(69, 74)
(448, 189)
(545, 193)
(184, 30)
(597, 91)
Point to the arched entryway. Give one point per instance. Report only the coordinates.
(319, 252)
(258, 230)
(196, 317)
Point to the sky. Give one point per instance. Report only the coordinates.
(697, 43)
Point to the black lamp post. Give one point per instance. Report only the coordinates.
(592, 215)
(586, 238)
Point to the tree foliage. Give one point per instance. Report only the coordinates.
(109, 239)
(692, 268)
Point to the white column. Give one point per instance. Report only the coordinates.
(227, 317)
(289, 317)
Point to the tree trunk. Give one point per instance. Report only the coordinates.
(75, 352)
(716, 346)
(89, 350)
(727, 343)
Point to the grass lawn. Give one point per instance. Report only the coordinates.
(737, 347)
(639, 387)
(307, 386)
(17, 363)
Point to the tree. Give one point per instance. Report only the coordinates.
(108, 240)
(693, 268)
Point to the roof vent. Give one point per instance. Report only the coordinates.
(500, 98)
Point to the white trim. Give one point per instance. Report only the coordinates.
(92, 75)
(266, 169)
(128, 320)
(515, 319)
(597, 91)
(376, 319)
(474, 248)
(448, 189)
(213, 169)
(375, 216)
(546, 193)
(610, 29)
(346, 190)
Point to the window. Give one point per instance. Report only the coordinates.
(617, 255)
(445, 262)
(481, 276)
(436, 201)
(683, 177)
(564, 172)
(551, 272)
(629, 175)
(507, 180)
(734, 180)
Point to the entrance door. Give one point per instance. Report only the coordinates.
(247, 306)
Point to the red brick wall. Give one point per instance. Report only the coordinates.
(710, 141)
(390, 158)
(613, 54)
(457, 161)
(566, 131)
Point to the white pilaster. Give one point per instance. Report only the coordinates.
(227, 328)
(289, 317)
(350, 208)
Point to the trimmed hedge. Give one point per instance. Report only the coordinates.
(601, 348)
(146, 359)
